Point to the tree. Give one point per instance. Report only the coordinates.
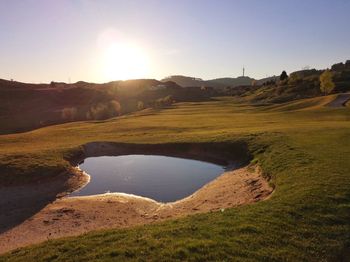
(347, 64)
(283, 76)
(114, 108)
(168, 100)
(163, 102)
(69, 113)
(326, 82)
(140, 105)
(294, 79)
(104, 110)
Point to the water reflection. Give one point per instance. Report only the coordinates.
(161, 178)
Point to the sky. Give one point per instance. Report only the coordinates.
(105, 40)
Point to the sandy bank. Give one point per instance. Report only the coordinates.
(74, 216)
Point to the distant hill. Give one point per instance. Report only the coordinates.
(218, 83)
(231, 82)
(184, 81)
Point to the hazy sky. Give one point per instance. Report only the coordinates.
(101, 40)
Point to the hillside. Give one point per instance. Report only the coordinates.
(26, 106)
(299, 84)
(218, 83)
(230, 81)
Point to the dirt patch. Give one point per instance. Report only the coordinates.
(78, 215)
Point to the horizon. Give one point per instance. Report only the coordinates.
(160, 79)
(165, 77)
(99, 42)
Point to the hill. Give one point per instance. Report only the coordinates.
(299, 84)
(25, 106)
(231, 82)
(218, 83)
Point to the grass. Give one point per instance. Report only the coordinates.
(305, 152)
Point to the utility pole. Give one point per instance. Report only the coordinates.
(243, 70)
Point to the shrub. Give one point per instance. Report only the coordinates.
(163, 102)
(168, 100)
(114, 107)
(104, 110)
(294, 79)
(69, 113)
(140, 105)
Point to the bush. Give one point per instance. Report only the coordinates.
(283, 82)
(69, 113)
(140, 105)
(294, 79)
(163, 102)
(114, 107)
(103, 111)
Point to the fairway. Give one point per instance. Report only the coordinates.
(303, 147)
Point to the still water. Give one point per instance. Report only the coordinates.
(161, 178)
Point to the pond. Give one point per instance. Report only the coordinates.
(162, 178)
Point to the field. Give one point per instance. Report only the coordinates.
(302, 146)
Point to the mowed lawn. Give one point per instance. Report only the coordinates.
(302, 146)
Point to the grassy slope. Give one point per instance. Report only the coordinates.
(25, 107)
(306, 152)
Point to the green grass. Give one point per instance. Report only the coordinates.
(305, 152)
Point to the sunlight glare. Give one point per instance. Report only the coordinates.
(123, 61)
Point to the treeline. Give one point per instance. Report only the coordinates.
(162, 102)
(110, 109)
(98, 111)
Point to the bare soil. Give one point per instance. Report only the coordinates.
(35, 214)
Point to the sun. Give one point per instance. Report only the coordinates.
(122, 61)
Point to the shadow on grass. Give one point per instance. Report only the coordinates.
(19, 203)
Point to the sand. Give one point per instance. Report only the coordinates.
(40, 214)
